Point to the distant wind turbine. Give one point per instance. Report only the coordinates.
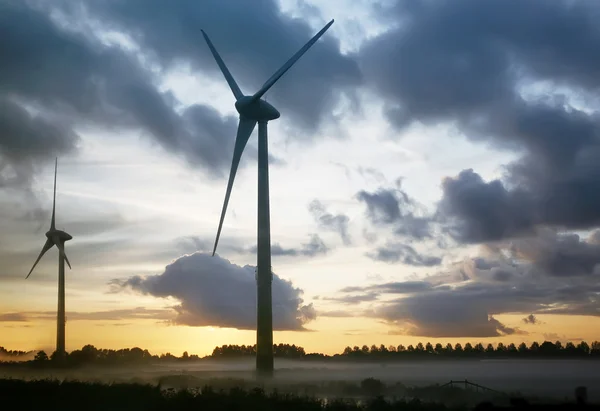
(57, 238)
(252, 110)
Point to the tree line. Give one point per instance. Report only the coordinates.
(92, 355)
(547, 349)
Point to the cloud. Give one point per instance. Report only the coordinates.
(26, 140)
(484, 211)
(560, 254)
(337, 223)
(13, 317)
(139, 313)
(507, 78)
(531, 319)
(314, 247)
(254, 39)
(56, 79)
(402, 287)
(353, 299)
(383, 207)
(394, 207)
(444, 313)
(557, 337)
(464, 299)
(396, 252)
(214, 292)
(336, 314)
(409, 221)
(370, 173)
(100, 242)
(522, 82)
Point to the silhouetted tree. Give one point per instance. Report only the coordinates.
(429, 348)
(534, 347)
(583, 348)
(523, 348)
(478, 348)
(547, 349)
(595, 349)
(41, 356)
(468, 348)
(89, 354)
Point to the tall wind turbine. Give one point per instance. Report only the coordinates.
(252, 109)
(57, 238)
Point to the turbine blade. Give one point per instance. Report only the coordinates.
(230, 80)
(269, 83)
(61, 248)
(245, 129)
(46, 247)
(52, 223)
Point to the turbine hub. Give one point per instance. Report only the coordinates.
(62, 235)
(258, 110)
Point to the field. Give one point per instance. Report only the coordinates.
(552, 379)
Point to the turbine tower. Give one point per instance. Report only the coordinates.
(57, 238)
(252, 109)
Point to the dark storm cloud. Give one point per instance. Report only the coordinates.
(465, 63)
(332, 222)
(459, 60)
(26, 139)
(401, 253)
(383, 207)
(214, 292)
(254, 39)
(394, 207)
(559, 254)
(465, 310)
(470, 64)
(69, 79)
(516, 277)
(484, 211)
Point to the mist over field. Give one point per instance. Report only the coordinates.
(541, 378)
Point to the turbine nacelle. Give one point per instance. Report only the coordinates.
(256, 109)
(61, 235)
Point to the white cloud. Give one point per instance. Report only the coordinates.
(214, 292)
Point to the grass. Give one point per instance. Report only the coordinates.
(76, 395)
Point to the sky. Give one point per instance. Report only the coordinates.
(434, 173)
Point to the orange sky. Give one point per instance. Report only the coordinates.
(331, 335)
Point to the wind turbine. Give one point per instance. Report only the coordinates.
(57, 238)
(252, 109)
